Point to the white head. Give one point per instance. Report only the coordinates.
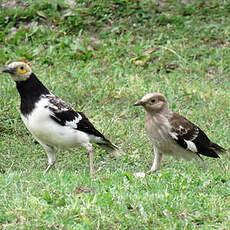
(19, 71)
(153, 102)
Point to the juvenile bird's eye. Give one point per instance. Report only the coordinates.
(153, 100)
(22, 68)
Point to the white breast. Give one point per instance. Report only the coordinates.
(49, 132)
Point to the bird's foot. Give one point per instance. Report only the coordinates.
(93, 172)
(101, 167)
(48, 168)
(151, 171)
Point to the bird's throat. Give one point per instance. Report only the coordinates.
(30, 91)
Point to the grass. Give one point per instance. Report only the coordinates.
(93, 55)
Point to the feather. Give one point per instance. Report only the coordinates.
(191, 137)
(63, 114)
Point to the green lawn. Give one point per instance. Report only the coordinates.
(101, 57)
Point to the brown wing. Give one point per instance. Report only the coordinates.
(190, 136)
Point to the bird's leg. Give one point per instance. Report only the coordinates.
(89, 147)
(51, 157)
(91, 162)
(156, 161)
(200, 161)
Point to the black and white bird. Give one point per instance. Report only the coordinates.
(172, 134)
(52, 122)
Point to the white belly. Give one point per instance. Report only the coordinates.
(49, 132)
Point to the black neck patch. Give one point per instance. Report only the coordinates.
(30, 91)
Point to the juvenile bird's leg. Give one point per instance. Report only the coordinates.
(200, 161)
(51, 153)
(156, 161)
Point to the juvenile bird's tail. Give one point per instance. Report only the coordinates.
(217, 148)
(110, 147)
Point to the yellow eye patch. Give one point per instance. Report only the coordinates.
(22, 70)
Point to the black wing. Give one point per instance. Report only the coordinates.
(86, 126)
(64, 115)
(190, 136)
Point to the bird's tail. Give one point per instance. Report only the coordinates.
(217, 148)
(110, 147)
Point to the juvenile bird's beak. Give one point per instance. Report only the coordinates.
(139, 103)
(8, 70)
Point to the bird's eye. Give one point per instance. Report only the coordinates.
(22, 69)
(153, 101)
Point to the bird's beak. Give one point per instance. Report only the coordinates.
(8, 70)
(139, 103)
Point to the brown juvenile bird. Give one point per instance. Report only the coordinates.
(172, 134)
